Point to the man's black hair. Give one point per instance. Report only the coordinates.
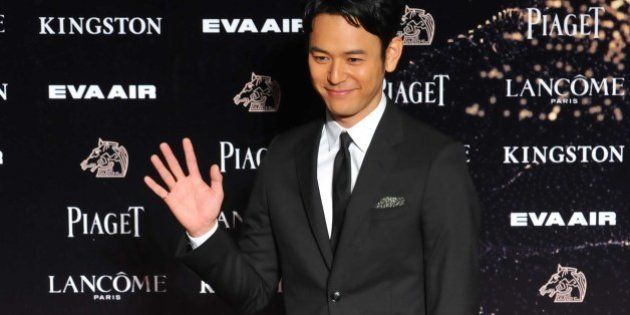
(379, 17)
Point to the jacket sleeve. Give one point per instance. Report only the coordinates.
(451, 219)
(242, 272)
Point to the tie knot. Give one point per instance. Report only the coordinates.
(345, 140)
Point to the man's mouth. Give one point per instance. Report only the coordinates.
(335, 92)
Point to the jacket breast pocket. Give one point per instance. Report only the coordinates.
(388, 213)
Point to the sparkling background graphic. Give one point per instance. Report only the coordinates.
(517, 261)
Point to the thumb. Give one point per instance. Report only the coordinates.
(216, 178)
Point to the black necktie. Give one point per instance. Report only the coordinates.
(341, 187)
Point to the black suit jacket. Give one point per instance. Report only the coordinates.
(416, 258)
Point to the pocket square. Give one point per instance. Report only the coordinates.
(390, 202)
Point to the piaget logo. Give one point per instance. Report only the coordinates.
(417, 92)
(584, 24)
(239, 158)
(82, 223)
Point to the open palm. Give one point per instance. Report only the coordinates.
(195, 204)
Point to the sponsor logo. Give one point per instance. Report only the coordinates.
(100, 26)
(594, 218)
(563, 154)
(3, 91)
(251, 26)
(107, 287)
(112, 223)
(261, 94)
(571, 25)
(418, 27)
(565, 90)
(467, 151)
(90, 92)
(205, 288)
(567, 285)
(416, 92)
(231, 220)
(2, 30)
(109, 160)
(241, 159)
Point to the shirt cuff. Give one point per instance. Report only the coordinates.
(197, 241)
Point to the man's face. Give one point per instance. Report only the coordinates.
(346, 67)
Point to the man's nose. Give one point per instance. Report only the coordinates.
(336, 73)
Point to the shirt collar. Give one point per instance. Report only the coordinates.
(361, 132)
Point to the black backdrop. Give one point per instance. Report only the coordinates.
(479, 45)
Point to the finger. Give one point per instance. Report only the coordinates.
(157, 189)
(216, 179)
(167, 177)
(172, 161)
(191, 159)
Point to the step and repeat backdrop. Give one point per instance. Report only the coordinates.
(535, 90)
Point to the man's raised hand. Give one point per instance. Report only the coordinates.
(195, 204)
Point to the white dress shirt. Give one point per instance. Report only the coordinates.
(361, 134)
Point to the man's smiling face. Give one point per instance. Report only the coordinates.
(347, 68)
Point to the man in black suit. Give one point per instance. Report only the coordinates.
(366, 212)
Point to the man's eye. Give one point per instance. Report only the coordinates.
(354, 60)
(320, 58)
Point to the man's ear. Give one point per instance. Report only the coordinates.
(393, 53)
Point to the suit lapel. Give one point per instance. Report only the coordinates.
(306, 163)
(377, 164)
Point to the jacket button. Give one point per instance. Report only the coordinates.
(335, 296)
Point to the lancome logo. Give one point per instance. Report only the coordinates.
(565, 90)
(205, 288)
(106, 287)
